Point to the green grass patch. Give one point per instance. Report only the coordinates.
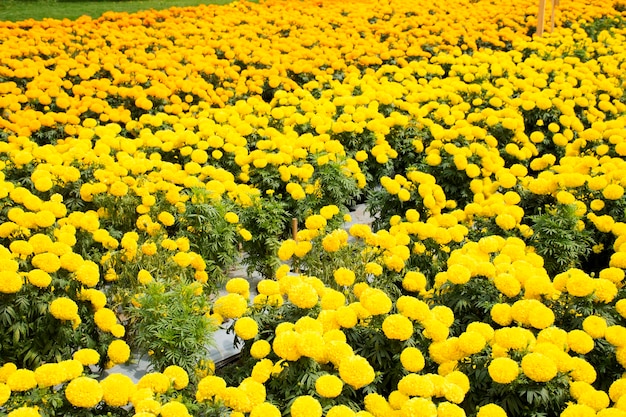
(17, 10)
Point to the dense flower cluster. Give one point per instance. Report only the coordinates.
(141, 155)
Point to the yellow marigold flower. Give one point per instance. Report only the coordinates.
(340, 411)
(328, 386)
(265, 409)
(6, 370)
(414, 281)
(397, 327)
(231, 217)
(268, 287)
(238, 286)
(88, 274)
(25, 411)
(605, 290)
(412, 359)
(580, 284)
(86, 356)
(10, 282)
(344, 276)
(287, 249)
(118, 189)
(375, 301)
(245, 234)
(491, 410)
(539, 367)
(144, 277)
(149, 248)
(620, 307)
(210, 387)
(303, 295)
(503, 370)
(105, 319)
(246, 328)
(595, 326)
(156, 381)
(64, 308)
(50, 374)
(118, 351)
(5, 393)
(332, 299)
(230, 306)
(260, 349)
(373, 268)
(117, 389)
(613, 192)
(315, 222)
(21, 380)
(617, 389)
(419, 407)
(377, 405)
(84, 392)
(166, 218)
(306, 406)
(174, 409)
(356, 371)
(616, 335)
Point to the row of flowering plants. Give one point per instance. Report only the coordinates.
(143, 156)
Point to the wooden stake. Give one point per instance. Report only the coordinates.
(294, 228)
(555, 4)
(541, 16)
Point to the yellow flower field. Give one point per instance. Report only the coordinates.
(144, 155)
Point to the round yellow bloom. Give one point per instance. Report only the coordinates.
(5, 393)
(580, 341)
(177, 375)
(174, 409)
(356, 371)
(375, 301)
(156, 381)
(412, 359)
(210, 387)
(10, 282)
(613, 192)
(491, 410)
(503, 370)
(344, 276)
(246, 328)
(87, 356)
(595, 326)
(64, 308)
(397, 327)
(306, 406)
(239, 286)
(105, 319)
(25, 411)
(88, 274)
(84, 392)
(262, 370)
(539, 367)
(303, 295)
(117, 389)
(231, 217)
(260, 349)
(265, 410)
(166, 218)
(328, 386)
(501, 314)
(21, 380)
(230, 306)
(118, 351)
(414, 281)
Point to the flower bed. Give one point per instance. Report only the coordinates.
(144, 155)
